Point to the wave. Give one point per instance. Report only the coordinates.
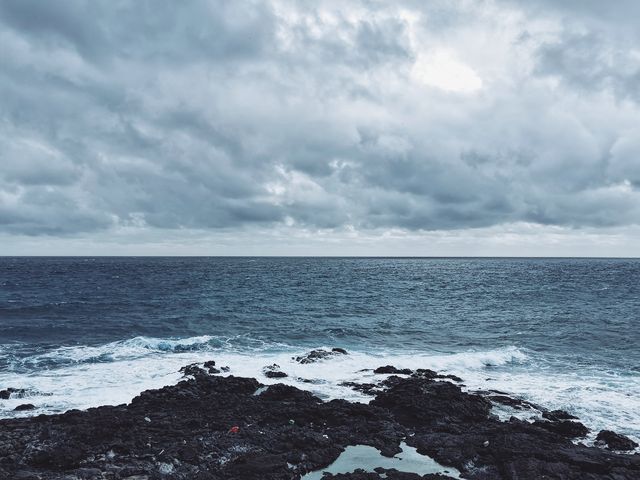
(133, 348)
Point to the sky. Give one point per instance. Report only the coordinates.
(453, 127)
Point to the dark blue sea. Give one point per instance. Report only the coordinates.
(82, 332)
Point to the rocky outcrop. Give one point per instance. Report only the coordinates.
(320, 354)
(12, 392)
(393, 370)
(195, 369)
(615, 441)
(210, 427)
(24, 406)
(273, 371)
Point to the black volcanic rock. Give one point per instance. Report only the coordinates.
(615, 441)
(425, 373)
(9, 392)
(567, 428)
(194, 369)
(558, 415)
(422, 402)
(24, 406)
(516, 403)
(366, 388)
(393, 370)
(319, 354)
(273, 371)
(210, 366)
(215, 428)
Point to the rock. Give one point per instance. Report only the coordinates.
(12, 392)
(285, 432)
(557, 415)
(423, 402)
(314, 381)
(393, 370)
(615, 441)
(273, 371)
(366, 388)
(319, 354)
(24, 406)
(425, 373)
(195, 369)
(272, 374)
(516, 403)
(566, 428)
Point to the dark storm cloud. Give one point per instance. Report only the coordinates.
(220, 114)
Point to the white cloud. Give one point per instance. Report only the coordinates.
(308, 120)
(442, 70)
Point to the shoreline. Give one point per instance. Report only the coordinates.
(221, 427)
(113, 374)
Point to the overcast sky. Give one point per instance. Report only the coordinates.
(320, 127)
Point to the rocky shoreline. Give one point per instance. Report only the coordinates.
(213, 427)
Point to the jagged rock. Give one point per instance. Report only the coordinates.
(319, 354)
(615, 441)
(558, 415)
(273, 371)
(393, 370)
(567, 428)
(366, 388)
(215, 428)
(194, 369)
(425, 373)
(422, 402)
(516, 403)
(210, 365)
(12, 392)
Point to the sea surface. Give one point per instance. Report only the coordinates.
(564, 333)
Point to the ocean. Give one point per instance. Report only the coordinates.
(564, 333)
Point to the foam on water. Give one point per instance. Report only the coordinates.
(110, 374)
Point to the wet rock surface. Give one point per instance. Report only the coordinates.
(210, 427)
(615, 441)
(273, 371)
(208, 367)
(380, 473)
(12, 393)
(24, 406)
(393, 370)
(320, 354)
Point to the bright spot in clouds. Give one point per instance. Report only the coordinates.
(443, 70)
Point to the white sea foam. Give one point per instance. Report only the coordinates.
(82, 377)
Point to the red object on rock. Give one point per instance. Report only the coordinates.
(234, 429)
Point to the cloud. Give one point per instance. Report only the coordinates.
(360, 116)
